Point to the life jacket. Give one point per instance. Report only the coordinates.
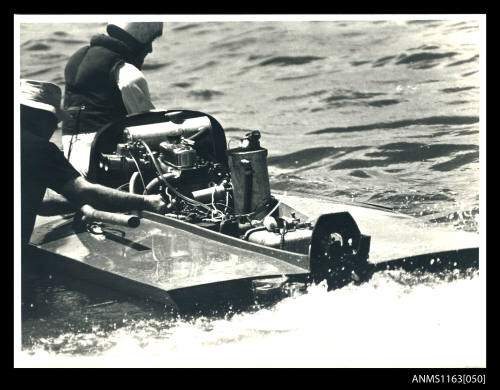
(92, 98)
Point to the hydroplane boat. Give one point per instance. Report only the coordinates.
(224, 238)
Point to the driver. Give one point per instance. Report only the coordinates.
(44, 166)
(104, 83)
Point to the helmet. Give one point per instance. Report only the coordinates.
(143, 32)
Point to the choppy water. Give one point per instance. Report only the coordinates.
(376, 111)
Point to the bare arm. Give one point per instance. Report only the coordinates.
(55, 204)
(79, 191)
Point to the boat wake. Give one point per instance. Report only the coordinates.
(398, 319)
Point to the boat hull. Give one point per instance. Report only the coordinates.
(394, 236)
(187, 267)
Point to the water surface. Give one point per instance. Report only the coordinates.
(384, 112)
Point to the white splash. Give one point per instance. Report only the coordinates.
(378, 324)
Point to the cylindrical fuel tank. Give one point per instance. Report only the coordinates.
(294, 241)
(154, 134)
(250, 179)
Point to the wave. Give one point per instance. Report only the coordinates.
(28, 75)
(426, 65)
(36, 46)
(358, 163)
(404, 198)
(408, 146)
(149, 66)
(383, 102)
(458, 89)
(181, 85)
(287, 60)
(374, 103)
(470, 73)
(472, 59)
(434, 134)
(43, 44)
(51, 56)
(457, 24)
(425, 47)
(352, 95)
(205, 94)
(70, 41)
(204, 66)
(294, 97)
(430, 121)
(237, 44)
(456, 162)
(352, 34)
(403, 152)
(359, 173)
(234, 54)
(419, 57)
(288, 78)
(186, 27)
(467, 132)
(203, 32)
(358, 63)
(254, 57)
(423, 21)
(393, 170)
(308, 156)
(382, 61)
(461, 215)
(285, 182)
(468, 28)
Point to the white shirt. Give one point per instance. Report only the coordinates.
(134, 89)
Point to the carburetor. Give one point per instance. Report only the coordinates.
(177, 152)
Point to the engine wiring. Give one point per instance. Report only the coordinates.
(173, 189)
(214, 211)
(138, 171)
(121, 188)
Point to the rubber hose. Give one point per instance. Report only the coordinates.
(131, 183)
(253, 230)
(156, 181)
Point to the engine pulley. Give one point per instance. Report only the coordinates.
(339, 252)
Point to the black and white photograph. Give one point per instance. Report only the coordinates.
(250, 191)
